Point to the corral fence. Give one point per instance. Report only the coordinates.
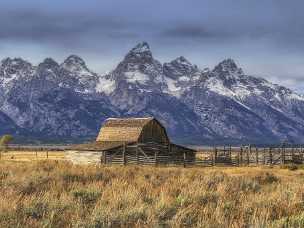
(215, 156)
(250, 155)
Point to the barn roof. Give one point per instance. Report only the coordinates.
(122, 129)
(98, 146)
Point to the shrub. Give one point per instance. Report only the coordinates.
(291, 167)
(36, 210)
(267, 178)
(86, 196)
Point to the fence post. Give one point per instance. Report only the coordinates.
(124, 154)
(241, 154)
(270, 155)
(282, 156)
(238, 157)
(47, 154)
(184, 160)
(247, 154)
(137, 157)
(257, 155)
(104, 157)
(215, 156)
(230, 155)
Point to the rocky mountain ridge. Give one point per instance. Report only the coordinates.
(68, 101)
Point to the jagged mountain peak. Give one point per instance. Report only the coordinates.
(223, 103)
(141, 47)
(182, 60)
(228, 66)
(48, 63)
(12, 69)
(74, 60)
(141, 52)
(139, 66)
(15, 62)
(180, 67)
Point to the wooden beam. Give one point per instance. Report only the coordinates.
(270, 155)
(155, 158)
(248, 154)
(141, 150)
(104, 154)
(241, 152)
(137, 156)
(257, 155)
(124, 154)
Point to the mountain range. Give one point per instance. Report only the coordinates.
(68, 102)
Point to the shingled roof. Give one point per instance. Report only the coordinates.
(122, 129)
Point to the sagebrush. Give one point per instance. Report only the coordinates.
(59, 194)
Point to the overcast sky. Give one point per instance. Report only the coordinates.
(265, 38)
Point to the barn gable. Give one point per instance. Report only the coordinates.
(132, 130)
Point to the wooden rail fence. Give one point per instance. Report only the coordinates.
(250, 156)
(216, 156)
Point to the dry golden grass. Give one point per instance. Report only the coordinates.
(31, 155)
(59, 194)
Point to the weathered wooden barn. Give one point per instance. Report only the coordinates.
(135, 141)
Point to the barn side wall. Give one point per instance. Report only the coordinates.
(149, 154)
(154, 132)
(83, 157)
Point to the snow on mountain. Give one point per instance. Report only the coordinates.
(180, 74)
(224, 104)
(77, 73)
(105, 85)
(139, 69)
(12, 70)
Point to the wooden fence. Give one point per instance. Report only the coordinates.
(216, 156)
(250, 156)
(212, 156)
(32, 152)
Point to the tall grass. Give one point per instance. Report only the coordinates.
(59, 194)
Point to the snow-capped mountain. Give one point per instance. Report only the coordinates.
(69, 101)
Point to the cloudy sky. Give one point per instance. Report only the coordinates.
(265, 38)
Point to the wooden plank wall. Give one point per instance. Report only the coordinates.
(154, 154)
(83, 157)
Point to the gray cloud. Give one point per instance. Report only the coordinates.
(188, 31)
(255, 32)
(36, 25)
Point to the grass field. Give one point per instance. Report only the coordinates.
(59, 194)
(31, 155)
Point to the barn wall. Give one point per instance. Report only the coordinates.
(154, 132)
(83, 157)
(150, 153)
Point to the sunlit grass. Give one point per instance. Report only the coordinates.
(59, 194)
(31, 155)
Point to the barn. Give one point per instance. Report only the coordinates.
(135, 141)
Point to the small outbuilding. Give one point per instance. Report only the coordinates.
(136, 141)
